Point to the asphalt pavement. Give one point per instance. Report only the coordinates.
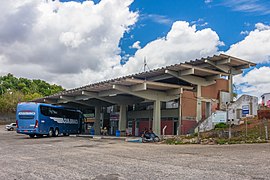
(108, 159)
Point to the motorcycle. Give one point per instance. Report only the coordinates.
(150, 137)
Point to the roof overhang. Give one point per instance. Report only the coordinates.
(153, 84)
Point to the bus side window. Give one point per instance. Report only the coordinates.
(70, 114)
(44, 110)
(55, 112)
(65, 114)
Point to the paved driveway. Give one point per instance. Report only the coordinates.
(85, 158)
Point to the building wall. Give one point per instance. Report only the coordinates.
(145, 119)
(189, 99)
(188, 126)
(170, 125)
(235, 109)
(212, 91)
(189, 105)
(149, 113)
(147, 124)
(209, 94)
(212, 95)
(266, 99)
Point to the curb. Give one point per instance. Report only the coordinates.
(102, 137)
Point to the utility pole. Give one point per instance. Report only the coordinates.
(246, 125)
(265, 128)
(230, 129)
(228, 120)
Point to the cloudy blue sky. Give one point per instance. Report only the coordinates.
(74, 43)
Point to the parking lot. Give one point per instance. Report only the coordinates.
(85, 158)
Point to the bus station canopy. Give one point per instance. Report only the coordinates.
(165, 83)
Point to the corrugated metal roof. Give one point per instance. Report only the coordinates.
(202, 69)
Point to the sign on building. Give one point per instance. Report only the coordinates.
(114, 116)
(219, 116)
(245, 109)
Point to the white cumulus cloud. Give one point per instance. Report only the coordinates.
(136, 45)
(261, 26)
(74, 44)
(255, 47)
(68, 43)
(256, 82)
(183, 42)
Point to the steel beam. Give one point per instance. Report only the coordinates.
(139, 87)
(66, 99)
(147, 94)
(204, 69)
(96, 96)
(224, 61)
(187, 72)
(223, 68)
(191, 79)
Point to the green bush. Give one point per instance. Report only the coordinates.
(222, 141)
(173, 141)
(221, 126)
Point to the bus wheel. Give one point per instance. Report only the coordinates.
(50, 134)
(31, 135)
(65, 134)
(56, 132)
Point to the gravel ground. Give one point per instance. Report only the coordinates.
(84, 158)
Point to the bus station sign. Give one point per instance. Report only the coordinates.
(245, 109)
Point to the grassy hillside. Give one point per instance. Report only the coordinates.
(252, 130)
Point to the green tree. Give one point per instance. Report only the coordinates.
(14, 90)
(29, 97)
(9, 101)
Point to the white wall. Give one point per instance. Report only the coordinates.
(266, 98)
(244, 100)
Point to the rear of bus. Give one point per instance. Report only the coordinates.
(27, 118)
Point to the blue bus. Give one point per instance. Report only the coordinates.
(38, 119)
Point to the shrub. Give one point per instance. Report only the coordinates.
(173, 141)
(222, 141)
(221, 126)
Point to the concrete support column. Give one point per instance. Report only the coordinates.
(199, 103)
(122, 117)
(180, 115)
(97, 120)
(156, 117)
